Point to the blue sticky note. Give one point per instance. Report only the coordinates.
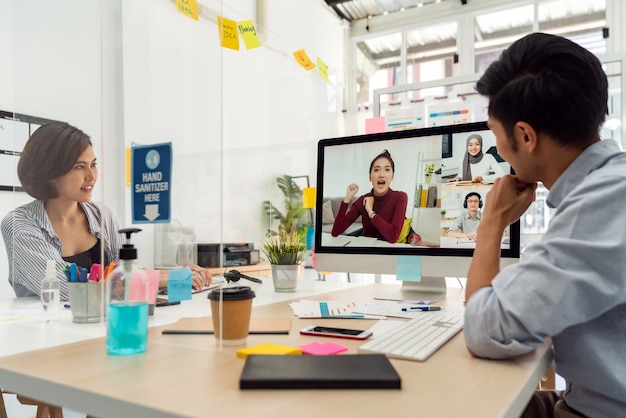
(409, 268)
(179, 285)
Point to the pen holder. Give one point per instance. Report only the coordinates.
(86, 301)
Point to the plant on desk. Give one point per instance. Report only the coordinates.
(285, 251)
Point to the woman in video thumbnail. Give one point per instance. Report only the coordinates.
(382, 210)
(477, 166)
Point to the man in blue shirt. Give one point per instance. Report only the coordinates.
(547, 102)
(467, 222)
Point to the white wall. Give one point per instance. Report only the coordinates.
(140, 71)
(237, 119)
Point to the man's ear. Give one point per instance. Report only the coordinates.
(526, 136)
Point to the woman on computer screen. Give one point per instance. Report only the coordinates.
(382, 210)
(477, 166)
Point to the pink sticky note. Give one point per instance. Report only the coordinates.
(324, 349)
(375, 125)
(153, 283)
(137, 286)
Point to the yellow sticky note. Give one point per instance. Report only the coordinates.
(188, 7)
(303, 59)
(269, 348)
(229, 38)
(248, 33)
(323, 69)
(308, 197)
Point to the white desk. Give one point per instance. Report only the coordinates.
(188, 376)
(21, 329)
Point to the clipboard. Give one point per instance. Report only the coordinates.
(204, 325)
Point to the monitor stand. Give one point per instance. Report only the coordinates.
(429, 289)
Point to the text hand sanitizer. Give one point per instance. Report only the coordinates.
(127, 303)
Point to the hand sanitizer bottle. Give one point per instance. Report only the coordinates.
(127, 303)
(50, 294)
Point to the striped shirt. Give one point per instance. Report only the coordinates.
(30, 241)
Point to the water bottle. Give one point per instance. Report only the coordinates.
(127, 299)
(50, 294)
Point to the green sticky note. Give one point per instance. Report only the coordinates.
(179, 285)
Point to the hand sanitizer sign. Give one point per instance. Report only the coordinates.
(151, 167)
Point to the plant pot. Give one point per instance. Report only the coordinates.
(285, 277)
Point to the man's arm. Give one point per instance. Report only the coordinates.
(508, 199)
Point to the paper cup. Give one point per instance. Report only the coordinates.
(231, 322)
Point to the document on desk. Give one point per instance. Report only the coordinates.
(329, 309)
(374, 309)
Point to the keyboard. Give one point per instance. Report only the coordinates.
(418, 338)
(216, 282)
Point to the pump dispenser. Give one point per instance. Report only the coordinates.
(127, 303)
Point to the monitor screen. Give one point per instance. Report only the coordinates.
(427, 192)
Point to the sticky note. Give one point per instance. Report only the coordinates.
(153, 284)
(324, 349)
(323, 69)
(248, 33)
(303, 59)
(409, 268)
(269, 348)
(375, 125)
(229, 37)
(188, 7)
(179, 285)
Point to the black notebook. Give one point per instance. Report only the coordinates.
(346, 371)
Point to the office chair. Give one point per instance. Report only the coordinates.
(44, 410)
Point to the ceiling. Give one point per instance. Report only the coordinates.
(353, 10)
(571, 18)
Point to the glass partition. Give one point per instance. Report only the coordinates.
(142, 73)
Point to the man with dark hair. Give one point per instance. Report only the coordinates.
(547, 102)
(466, 224)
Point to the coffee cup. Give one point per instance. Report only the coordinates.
(230, 309)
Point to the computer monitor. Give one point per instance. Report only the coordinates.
(429, 254)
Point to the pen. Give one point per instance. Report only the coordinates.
(73, 273)
(94, 273)
(108, 270)
(83, 274)
(66, 271)
(422, 308)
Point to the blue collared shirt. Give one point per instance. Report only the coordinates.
(570, 286)
(465, 223)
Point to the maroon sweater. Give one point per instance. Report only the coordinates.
(387, 224)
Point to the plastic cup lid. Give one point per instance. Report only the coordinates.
(232, 293)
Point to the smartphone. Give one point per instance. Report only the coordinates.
(354, 334)
(165, 302)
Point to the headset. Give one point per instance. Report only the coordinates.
(480, 200)
(234, 276)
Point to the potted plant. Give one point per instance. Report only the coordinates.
(285, 251)
(289, 219)
(438, 173)
(429, 169)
